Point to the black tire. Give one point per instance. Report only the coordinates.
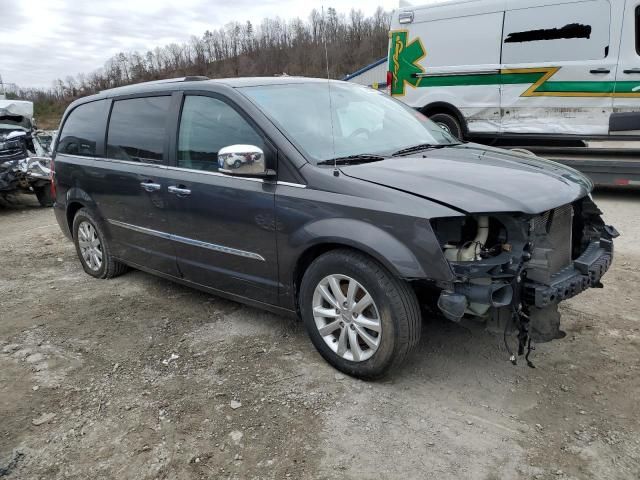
(448, 123)
(45, 198)
(8, 200)
(396, 302)
(110, 267)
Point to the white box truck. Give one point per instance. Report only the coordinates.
(525, 73)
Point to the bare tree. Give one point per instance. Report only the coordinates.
(272, 47)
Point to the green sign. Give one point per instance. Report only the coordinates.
(403, 61)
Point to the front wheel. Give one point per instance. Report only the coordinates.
(363, 320)
(448, 123)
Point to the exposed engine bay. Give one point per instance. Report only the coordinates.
(24, 153)
(512, 270)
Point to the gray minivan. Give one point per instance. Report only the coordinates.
(327, 201)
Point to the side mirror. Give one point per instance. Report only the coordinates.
(247, 160)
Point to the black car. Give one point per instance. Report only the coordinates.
(326, 201)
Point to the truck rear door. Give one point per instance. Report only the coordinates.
(559, 66)
(626, 102)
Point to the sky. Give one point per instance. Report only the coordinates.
(42, 40)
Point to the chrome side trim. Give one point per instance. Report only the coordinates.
(289, 184)
(188, 241)
(456, 74)
(214, 174)
(136, 228)
(113, 160)
(85, 157)
(164, 167)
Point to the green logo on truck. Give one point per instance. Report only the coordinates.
(405, 70)
(403, 61)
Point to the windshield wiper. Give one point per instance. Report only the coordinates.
(353, 159)
(422, 146)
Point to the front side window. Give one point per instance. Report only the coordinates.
(137, 129)
(207, 125)
(343, 119)
(82, 130)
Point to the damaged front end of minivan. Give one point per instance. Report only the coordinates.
(512, 270)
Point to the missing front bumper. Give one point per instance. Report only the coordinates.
(583, 273)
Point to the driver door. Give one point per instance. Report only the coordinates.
(223, 226)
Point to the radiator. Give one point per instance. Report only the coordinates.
(557, 227)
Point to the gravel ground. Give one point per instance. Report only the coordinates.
(141, 378)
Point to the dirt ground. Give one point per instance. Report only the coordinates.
(140, 378)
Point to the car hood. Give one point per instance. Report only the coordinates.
(478, 179)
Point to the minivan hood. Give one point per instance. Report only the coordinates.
(478, 179)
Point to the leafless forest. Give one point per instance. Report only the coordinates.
(275, 46)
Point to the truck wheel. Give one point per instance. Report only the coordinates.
(448, 123)
(92, 247)
(44, 196)
(363, 320)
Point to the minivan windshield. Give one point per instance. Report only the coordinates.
(338, 120)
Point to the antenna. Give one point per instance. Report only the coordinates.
(336, 172)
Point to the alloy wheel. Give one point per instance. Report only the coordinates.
(347, 317)
(90, 247)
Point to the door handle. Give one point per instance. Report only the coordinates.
(600, 70)
(150, 186)
(179, 191)
(632, 70)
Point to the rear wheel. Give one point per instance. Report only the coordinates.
(448, 123)
(92, 247)
(363, 320)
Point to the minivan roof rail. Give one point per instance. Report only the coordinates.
(189, 78)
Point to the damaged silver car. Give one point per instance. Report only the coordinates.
(24, 154)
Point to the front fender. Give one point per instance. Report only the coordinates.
(408, 249)
(369, 238)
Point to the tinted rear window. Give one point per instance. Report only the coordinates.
(137, 129)
(82, 129)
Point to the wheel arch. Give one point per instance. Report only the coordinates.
(75, 200)
(359, 236)
(445, 107)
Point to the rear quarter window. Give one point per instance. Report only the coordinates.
(137, 129)
(82, 129)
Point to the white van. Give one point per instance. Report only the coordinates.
(520, 68)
